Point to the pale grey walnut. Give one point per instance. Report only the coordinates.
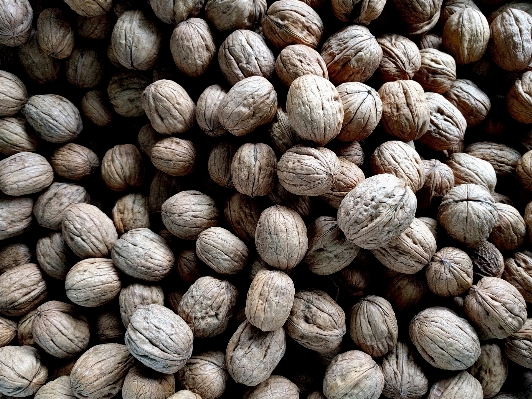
(472, 102)
(439, 180)
(282, 135)
(221, 250)
(40, 67)
(510, 231)
(21, 371)
(346, 178)
(253, 169)
(252, 355)
(143, 383)
(518, 346)
(98, 27)
(437, 72)
(401, 58)
(96, 107)
(219, 163)
(15, 22)
(491, 369)
(420, 15)
(235, 14)
(13, 255)
(185, 394)
(297, 60)
(25, 173)
(444, 339)
(131, 212)
(468, 169)
(125, 93)
(23, 289)
(16, 136)
(450, 272)
(461, 385)
(358, 11)
(13, 94)
(242, 213)
(503, 158)
(8, 331)
(137, 295)
(174, 12)
(275, 387)
(174, 156)
(54, 256)
(162, 187)
(85, 68)
(55, 34)
(16, 216)
(56, 389)
(207, 110)
(518, 272)
(205, 374)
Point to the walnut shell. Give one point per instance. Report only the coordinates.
(406, 291)
(353, 374)
(174, 12)
(437, 72)
(353, 152)
(282, 135)
(297, 60)
(147, 138)
(518, 272)
(523, 170)
(491, 369)
(21, 371)
(141, 382)
(219, 164)
(299, 203)
(444, 339)
(472, 102)
(518, 346)
(316, 321)
(98, 27)
(207, 110)
(74, 162)
(438, 181)
(487, 260)
(404, 378)
(13, 94)
(346, 178)
(185, 394)
(54, 256)
(55, 33)
(40, 67)
(137, 295)
(510, 231)
(123, 167)
(100, 371)
(16, 136)
(401, 58)
(253, 169)
(420, 15)
(94, 105)
(207, 306)
(85, 68)
(189, 267)
(23, 289)
(88, 231)
(252, 354)
(281, 237)
(377, 211)
(495, 307)
(242, 213)
(56, 389)
(430, 40)
(15, 22)
(125, 91)
(16, 216)
(221, 250)
(205, 374)
(457, 386)
(8, 331)
(519, 99)
(468, 169)
(131, 212)
(13, 255)
(25, 173)
(351, 55)
(162, 187)
(504, 159)
(357, 11)
(292, 22)
(450, 7)
(275, 387)
(60, 330)
(174, 156)
(450, 272)
(235, 14)
(250, 103)
(109, 328)
(243, 54)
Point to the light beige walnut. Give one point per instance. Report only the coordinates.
(437, 72)
(58, 389)
(468, 169)
(123, 167)
(21, 371)
(13, 94)
(353, 152)
(297, 60)
(221, 250)
(491, 369)
(137, 295)
(510, 231)
(205, 374)
(503, 158)
(25, 173)
(274, 387)
(450, 272)
(16, 216)
(253, 169)
(207, 110)
(346, 178)
(15, 23)
(131, 212)
(472, 102)
(8, 331)
(456, 387)
(23, 289)
(174, 156)
(16, 136)
(90, 8)
(141, 382)
(518, 346)
(401, 57)
(518, 272)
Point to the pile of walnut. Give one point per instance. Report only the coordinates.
(205, 199)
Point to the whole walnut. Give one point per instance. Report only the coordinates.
(93, 282)
(292, 22)
(520, 5)
(356, 278)
(74, 161)
(468, 169)
(174, 12)
(123, 167)
(518, 346)
(21, 371)
(253, 169)
(450, 7)
(243, 54)
(461, 385)
(468, 214)
(219, 164)
(297, 60)
(85, 68)
(472, 102)
(250, 103)
(207, 110)
(15, 22)
(503, 158)
(98, 27)
(207, 306)
(511, 42)
(307, 171)
(401, 58)
(16, 136)
(109, 328)
(437, 72)
(8, 331)
(314, 109)
(162, 187)
(131, 212)
(60, 330)
(96, 107)
(299, 203)
(13, 255)
(192, 46)
(282, 135)
(23, 289)
(404, 378)
(419, 15)
(450, 272)
(125, 91)
(143, 383)
(438, 181)
(55, 33)
(519, 98)
(405, 109)
(345, 179)
(16, 216)
(40, 67)
(25, 173)
(357, 11)
(137, 295)
(205, 374)
(281, 237)
(221, 250)
(406, 291)
(316, 321)
(509, 232)
(100, 371)
(377, 211)
(353, 374)
(185, 394)
(189, 267)
(136, 41)
(518, 272)
(352, 151)
(491, 369)
(242, 213)
(430, 40)
(88, 231)
(56, 389)
(235, 14)
(159, 339)
(252, 355)
(444, 339)
(495, 307)
(174, 156)
(523, 170)
(50, 207)
(13, 94)
(147, 138)
(487, 260)
(351, 55)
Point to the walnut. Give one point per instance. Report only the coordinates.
(487, 260)
(518, 272)
(253, 169)
(235, 14)
(377, 211)
(242, 213)
(282, 135)
(50, 207)
(406, 291)
(353, 152)
(510, 231)
(136, 41)
(88, 231)
(523, 6)
(21, 371)
(207, 306)
(357, 11)
(137, 295)
(15, 22)
(123, 167)
(58, 388)
(420, 16)
(346, 178)
(174, 12)
(351, 55)
(95, 106)
(147, 138)
(221, 250)
(353, 374)
(495, 307)
(504, 159)
(401, 58)
(450, 7)
(219, 164)
(243, 54)
(162, 187)
(523, 171)
(274, 387)
(13, 255)
(141, 382)
(13, 94)
(437, 72)
(404, 378)
(60, 330)
(299, 203)
(131, 212)
(74, 161)
(438, 181)
(430, 40)
(205, 374)
(100, 371)
(174, 156)
(109, 328)
(519, 98)
(444, 339)
(40, 67)
(185, 394)
(25, 173)
(511, 43)
(468, 169)
(450, 272)
(98, 27)
(252, 354)
(461, 385)
(84, 68)
(297, 60)
(281, 237)
(356, 278)
(316, 321)
(250, 103)
(125, 93)
(491, 369)
(23, 289)
(16, 136)
(16, 216)
(518, 346)
(192, 46)
(189, 267)
(55, 33)
(207, 110)
(8, 331)
(90, 8)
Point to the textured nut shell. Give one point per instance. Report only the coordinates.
(510, 231)
(518, 346)
(252, 354)
(8, 331)
(253, 169)
(219, 164)
(123, 167)
(221, 250)
(22, 373)
(25, 173)
(174, 156)
(13, 94)
(518, 272)
(15, 217)
(159, 339)
(54, 256)
(98, 27)
(131, 212)
(491, 369)
(23, 289)
(207, 306)
(90, 8)
(282, 135)
(56, 389)
(137, 295)
(96, 107)
(523, 170)
(444, 339)
(16, 136)
(358, 12)
(472, 102)
(173, 12)
(405, 109)
(242, 213)
(60, 330)
(406, 291)
(141, 382)
(162, 187)
(88, 231)
(401, 58)
(205, 374)
(299, 203)
(125, 93)
(189, 267)
(439, 180)
(495, 307)
(353, 152)
(250, 103)
(487, 260)
(147, 138)
(346, 178)
(85, 68)
(273, 388)
(468, 169)
(109, 328)
(13, 255)
(420, 15)
(454, 387)
(437, 72)
(450, 272)
(430, 40)
(316, 321)
(351, 55)
(281, 237)
(376, 211)
(188, 213)
(297, 60)
(15, 22)
(93, 282)
(74, 162)
(235, 14)
(519, 99)
(504, 159)
(353, 374)
(40, 67)
(185, 394)
(100, 372)
(207, 110)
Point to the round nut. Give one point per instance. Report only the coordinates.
(25, 173)
(205, 374)
(519, 99)
(54, 256)
(58, 388)
(510, 231)
(95, 106)
(253, 169)
(15, 23)
(461, 384)
(74, 162)
(518, 272)
(16, 136)
(237, 14)
(242, 213)
(141, 382)
(504, 159)
(23, 289)
(85, 69)
(21, 371)
(439, 180)
(437, 72)
(297, 60)
(40, 67)
(207, 110)
(13, 255)
(131, 212)
(221, 250)
(468, 169)
(450, 272)
(98, 27)
(123, 167)
(420, 15)
(16, 216)
(13, 94)
(282, 135)
(487, 260)
(219, 164)
(358, 12)
(346, 178)
(137, 295)
(491, 369)
(174, 156)
(518, 346)
(173, 13)
(401, 58)
(472, 102)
